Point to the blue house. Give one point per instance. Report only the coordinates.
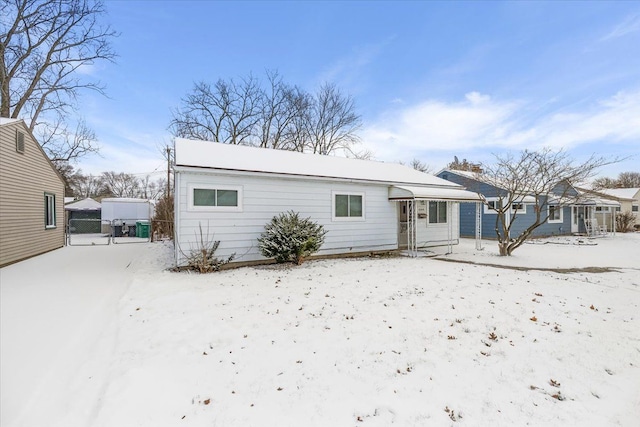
(576, 217)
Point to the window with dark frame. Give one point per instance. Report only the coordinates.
(348, 206)
(437, 212)
(214, 197)
(555, 213)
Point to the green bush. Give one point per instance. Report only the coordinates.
(289, 238)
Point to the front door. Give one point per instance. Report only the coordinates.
(402, 226)
(577, 219)
(574, 219)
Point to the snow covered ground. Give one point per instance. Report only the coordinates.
(343, 342)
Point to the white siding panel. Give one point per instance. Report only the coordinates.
(263, 198)
(428, 235)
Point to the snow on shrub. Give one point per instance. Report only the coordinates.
(289, 238)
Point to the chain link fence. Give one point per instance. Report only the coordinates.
(88, 232)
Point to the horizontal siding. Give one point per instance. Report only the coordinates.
(263, 198)
(24, 178)
(428, 235)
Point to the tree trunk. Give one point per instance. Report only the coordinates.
(503, 247)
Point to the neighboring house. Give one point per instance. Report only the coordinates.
(629, 199)
(83, 216)
(31, 196)
(232, 192)
(575, 218)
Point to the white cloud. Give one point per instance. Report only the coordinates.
(630, 25)
(481, 123)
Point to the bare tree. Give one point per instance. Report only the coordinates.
(545, 178)
(628, 180)
(282, 116)
(420, 166)
(334, 122)
(64, 146)
(296, 133)
(152, 190)
(624, 180)
(43, 45)
(121, 184)
(226, 112)
(604, 182)
(87, 186)
(282, 106)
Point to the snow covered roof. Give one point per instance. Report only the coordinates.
(87, 204)
(7, 120)
(124, 200)
(206, 154)
(433, 193)
(620, 193)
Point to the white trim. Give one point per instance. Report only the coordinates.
(557, 208)
(347, 218)
(193, 186)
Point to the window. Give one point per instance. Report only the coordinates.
(634, 208)
(437, 212)
(49, 210)
(555, 214)
(19, 142)
(348, 206)
(602, 208)
(519, 208)
(492, 205)
(203, 197)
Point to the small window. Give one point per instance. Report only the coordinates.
(20, 142)
(204, 197)
(437, 212)
(348, 206)
(555, 214)
(602, 208)
(519, 208)
(492, 206)
(634, 208)
(49, 210)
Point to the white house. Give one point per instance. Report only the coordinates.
(232, 192)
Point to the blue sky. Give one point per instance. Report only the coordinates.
(430, 79)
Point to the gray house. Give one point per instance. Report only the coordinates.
(31, 196)
(233, 191)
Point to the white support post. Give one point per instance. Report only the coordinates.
(478, 226)
(449, 228)
(411, 227)
(613, 219)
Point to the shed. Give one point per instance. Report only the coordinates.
(83, 216)
(232, 192)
